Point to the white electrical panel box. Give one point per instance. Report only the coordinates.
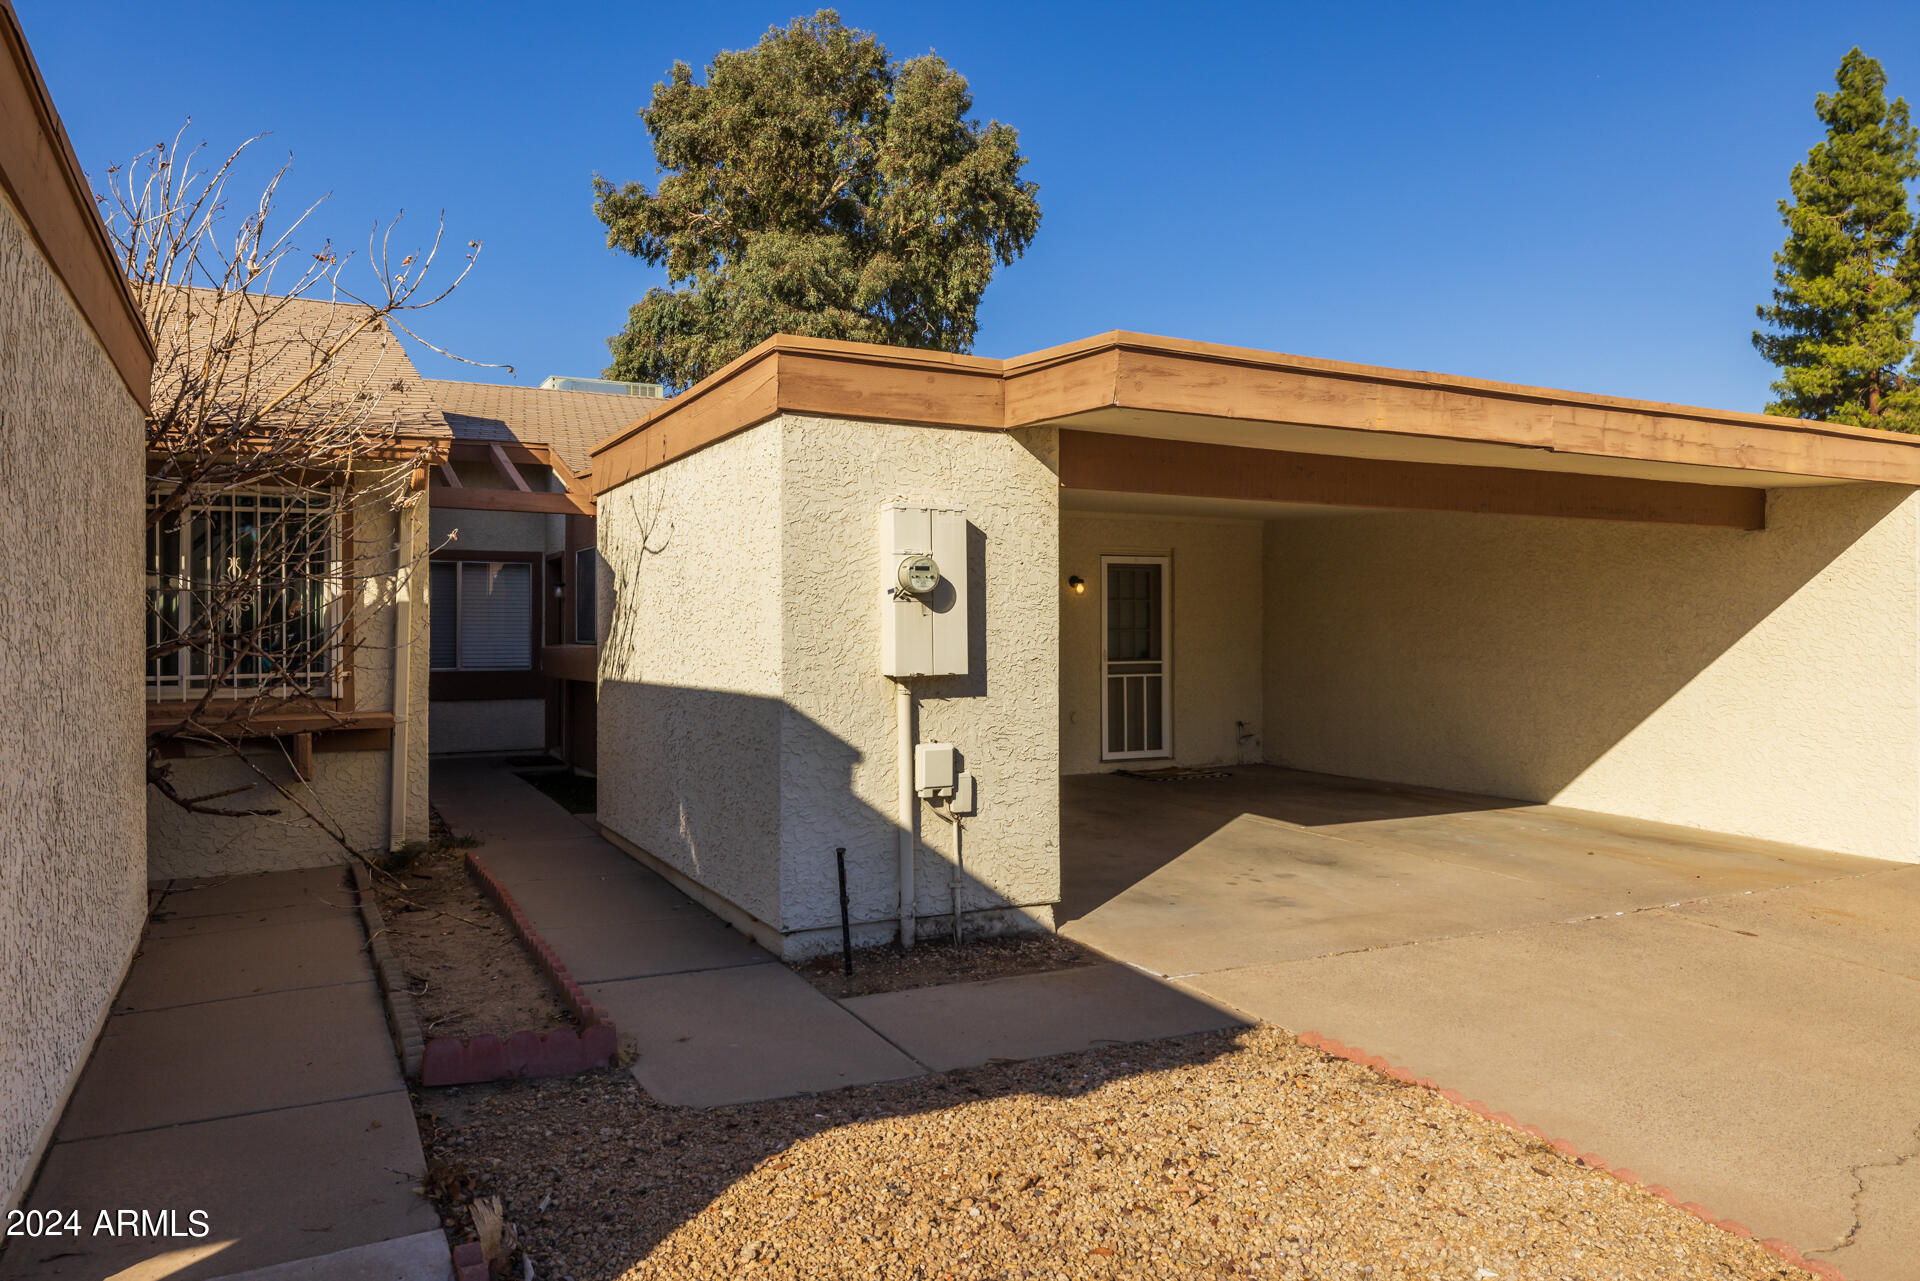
(923, 586)
(935, 766)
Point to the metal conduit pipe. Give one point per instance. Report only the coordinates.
(909, 805)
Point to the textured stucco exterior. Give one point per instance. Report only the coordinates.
(350, 788)
(72, 637)
(1765, 684)
(461, 529)
(1217, 607)
(689, 734)
(745, 729)
(490, 725)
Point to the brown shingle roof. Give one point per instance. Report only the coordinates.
(572, 422)
(288, 335)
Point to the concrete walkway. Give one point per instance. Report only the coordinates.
(246, 1072)
(1734, 1019)
(715, 1019)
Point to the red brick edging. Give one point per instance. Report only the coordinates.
(1773, 1245)
(448, 1060)
(469, 1263)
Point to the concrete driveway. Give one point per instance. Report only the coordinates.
(1735, 1019)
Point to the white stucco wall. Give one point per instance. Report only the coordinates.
(689, 722)
(838, 757)
(72, 639)
(745, 730)
(1762, 683)
(490, 725)
(1217, 610)
(350, 788)
(484, 531)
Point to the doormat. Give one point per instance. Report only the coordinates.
(1174, 774)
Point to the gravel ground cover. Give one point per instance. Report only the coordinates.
(887, 969)
(1239, 1154)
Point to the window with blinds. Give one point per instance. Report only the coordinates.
(586, 564)
(482, 616)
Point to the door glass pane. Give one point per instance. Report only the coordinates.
(1133, 612)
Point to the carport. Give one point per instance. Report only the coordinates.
(1176, 555)
(1642, 610)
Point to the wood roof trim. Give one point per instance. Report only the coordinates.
(44, 181)
(1174, 376)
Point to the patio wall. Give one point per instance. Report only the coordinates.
(1217, 621)
(72, 639)
(1760, 683)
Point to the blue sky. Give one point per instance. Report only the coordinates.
(1577, 196)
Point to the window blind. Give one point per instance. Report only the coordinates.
(444, 598)
(585, 582)
(496, 616)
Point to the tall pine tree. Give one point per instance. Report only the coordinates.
(1847, 281)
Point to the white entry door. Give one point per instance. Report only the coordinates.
(1136, 705)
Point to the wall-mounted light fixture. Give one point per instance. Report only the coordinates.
(1077, 585)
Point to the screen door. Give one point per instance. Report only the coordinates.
(1136, 718)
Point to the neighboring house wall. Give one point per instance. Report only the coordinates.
(1759, 683)
(1216, 626)
(489, 725)
(73, 862)
(352, 771)
(745, 729)
(517, 723)
(490, 531)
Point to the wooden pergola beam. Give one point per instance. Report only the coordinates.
(1114, 463)
(447, 474)
(507, 470)
(510, 500)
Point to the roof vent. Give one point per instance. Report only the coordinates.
(606, 386)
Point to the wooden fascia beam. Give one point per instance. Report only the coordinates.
(1145, 465)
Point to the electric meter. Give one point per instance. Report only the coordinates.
(921, 579)
(919, 575)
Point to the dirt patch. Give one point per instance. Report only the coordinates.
(887, 969)
(468, 971)
(1241, 1154)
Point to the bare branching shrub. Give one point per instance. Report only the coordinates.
(286, 430)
